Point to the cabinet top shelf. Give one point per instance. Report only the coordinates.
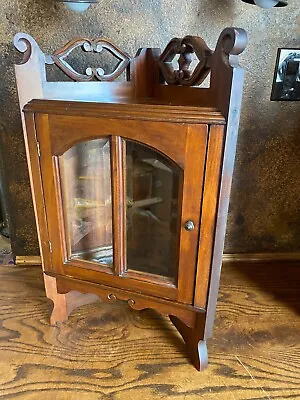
(144, 110)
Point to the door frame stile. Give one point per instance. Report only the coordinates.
(193, 181)
(118, 161)
(37, 189)
(49, 175)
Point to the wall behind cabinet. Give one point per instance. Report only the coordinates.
(264, 212)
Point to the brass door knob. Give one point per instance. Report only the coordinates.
(189, 226)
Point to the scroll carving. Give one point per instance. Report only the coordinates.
(111, 297)
(96, 46)
(132, 303)
(188, 317)
(231, 43)
(25, 44)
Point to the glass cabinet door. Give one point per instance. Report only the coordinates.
(85, 175)
(153, 186)
(152, 189)
(123, 208)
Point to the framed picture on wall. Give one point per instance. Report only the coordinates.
(286, 83)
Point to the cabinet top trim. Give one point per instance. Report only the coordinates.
(142, 111)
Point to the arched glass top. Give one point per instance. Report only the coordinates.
(153, 183)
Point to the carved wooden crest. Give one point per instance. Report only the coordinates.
(96, 46)
(232, 42)
(183, 51)
(185, 48)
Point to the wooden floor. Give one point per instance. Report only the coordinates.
(107, 351)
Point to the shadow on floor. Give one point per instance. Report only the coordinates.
(281, 279)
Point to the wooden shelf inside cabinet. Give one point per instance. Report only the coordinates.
(131, 179)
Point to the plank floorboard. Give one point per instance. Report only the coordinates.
(110, 352)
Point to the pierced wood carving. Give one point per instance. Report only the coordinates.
(232, 42)
(96, 46)
(185, 48)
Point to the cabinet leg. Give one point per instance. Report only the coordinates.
(195, 344)
(64, 304)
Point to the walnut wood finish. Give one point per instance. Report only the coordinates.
(144, 110)
(185, 48)
(208, 214)
(158, 106)
(196, 347)
(64, 304)
(191, 203)
(118, 167)
(96, 46)
(227, 79)
(135, 300)
(55, 139)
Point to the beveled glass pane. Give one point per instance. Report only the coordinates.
(153, 183)
(85, 174)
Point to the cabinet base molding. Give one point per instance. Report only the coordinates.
(189, 320)
(138, 301)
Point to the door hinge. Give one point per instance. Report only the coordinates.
(38, 148)
(50, 246)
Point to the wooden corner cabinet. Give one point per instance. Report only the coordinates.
(131, 172)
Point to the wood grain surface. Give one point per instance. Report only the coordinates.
(108, 351)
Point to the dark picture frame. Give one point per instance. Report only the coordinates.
(286, 81)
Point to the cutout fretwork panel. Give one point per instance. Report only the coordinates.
(121, 60)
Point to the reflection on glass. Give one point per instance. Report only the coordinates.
(152, 218)
(87, 207)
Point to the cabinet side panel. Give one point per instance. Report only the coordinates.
(37, 191)
(208, 215)
(195, 155)
(232, 108)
